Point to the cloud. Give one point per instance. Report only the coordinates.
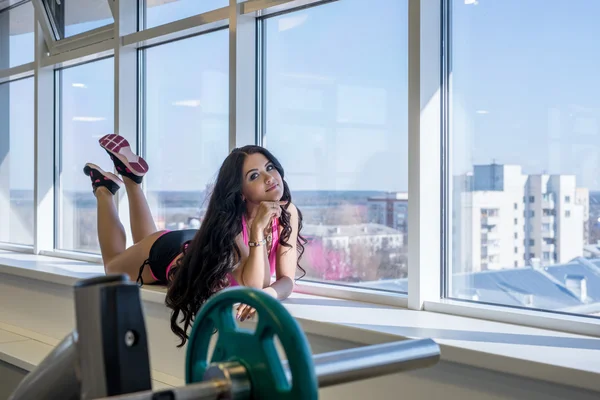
(187, 103)
(291, 22)
(88, 119)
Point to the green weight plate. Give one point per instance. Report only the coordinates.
(255, 350)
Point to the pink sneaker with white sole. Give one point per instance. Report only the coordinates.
(102, 178)
(126, 162)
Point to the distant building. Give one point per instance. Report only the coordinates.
(372, 237)
(505, 219)
(357, 252)
(582, 197)
(390, 210)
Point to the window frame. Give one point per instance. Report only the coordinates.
(13, 74)
(538, 318)
(57, 46)
(429, 112)
(331, 289)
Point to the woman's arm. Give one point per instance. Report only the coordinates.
(253, 271)
(250, 270)
(287, 260)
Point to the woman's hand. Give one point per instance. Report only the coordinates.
(244, 312)
(267, 210)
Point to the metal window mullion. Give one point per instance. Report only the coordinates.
(183, 28)
(424, 140)
(125, 88)
(264, 8)
(447, 174)
(16, 73)
(44, 145)
(43, 19)
(261, 83)
(82, 40)
(5, 153)
(242, 77)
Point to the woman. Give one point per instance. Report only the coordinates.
(251, 231)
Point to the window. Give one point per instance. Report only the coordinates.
(516, 235)
(159, 12)
(532, 213)
(186, 125)
(489, 212)
(546, 227)
(336, 117)
(547, 138)
(516, 206)
(71, 17)
(516, 250)
(16, 36)
(16, 162)
(85, 114)
(516, 221)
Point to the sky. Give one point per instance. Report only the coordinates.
(524, 91)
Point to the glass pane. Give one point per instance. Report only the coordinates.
(16, 36)
(72, 17)
(336, 117)
(160, 12)
(86, 114)
(526, 153)
(16, 162)
(187, 122)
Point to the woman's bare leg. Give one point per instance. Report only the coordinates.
(111, 233)
(130, 261)
(142, 223)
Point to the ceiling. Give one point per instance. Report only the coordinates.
(7, 3)
(77, 11)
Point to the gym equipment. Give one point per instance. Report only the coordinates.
(256, 351)
(106, 357)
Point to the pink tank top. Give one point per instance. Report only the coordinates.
(272, 253)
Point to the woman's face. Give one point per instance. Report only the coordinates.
(261, 180)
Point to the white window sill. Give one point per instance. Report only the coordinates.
(548, 355)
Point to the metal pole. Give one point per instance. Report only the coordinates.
(228, 380)
(209, 390)
(346, 366)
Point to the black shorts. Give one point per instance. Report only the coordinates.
(166, 248)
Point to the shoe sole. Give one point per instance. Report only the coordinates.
(109, 175)
(119, 147)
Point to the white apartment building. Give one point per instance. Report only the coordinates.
(505, 219)
(582, 197)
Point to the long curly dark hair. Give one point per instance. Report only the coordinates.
(213, 252)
